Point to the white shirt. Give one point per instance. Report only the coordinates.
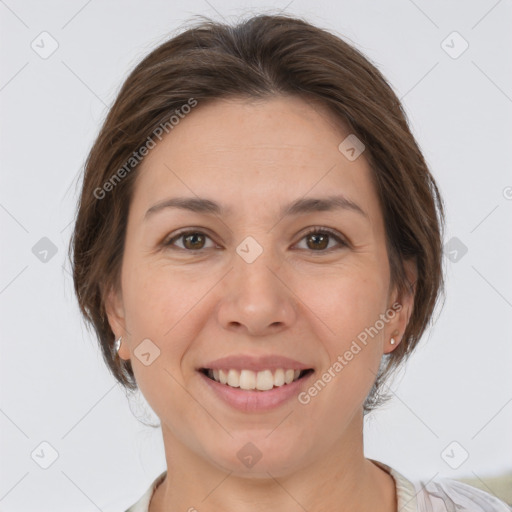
(440, 495)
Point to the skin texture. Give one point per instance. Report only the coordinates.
(299, 298)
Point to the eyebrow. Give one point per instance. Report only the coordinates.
(300, 206)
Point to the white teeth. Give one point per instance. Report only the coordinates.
(264, 380)
(247, 379)
(234, 378)
(279, 377)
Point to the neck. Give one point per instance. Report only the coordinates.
(340, 479)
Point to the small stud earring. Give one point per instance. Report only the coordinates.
(392, 341)
(117, 344)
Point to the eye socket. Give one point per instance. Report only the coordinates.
(318, 230)
(194, 234)
(186, 235)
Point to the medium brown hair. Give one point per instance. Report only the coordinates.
(261, 57)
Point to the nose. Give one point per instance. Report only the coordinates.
(256, 299)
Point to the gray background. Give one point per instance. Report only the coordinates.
(55, 388)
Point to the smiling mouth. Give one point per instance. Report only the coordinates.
(255, 381)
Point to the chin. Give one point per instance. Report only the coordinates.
(259, 458)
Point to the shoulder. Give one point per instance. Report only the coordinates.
(142, 504)
(451, 495)
(441, 495)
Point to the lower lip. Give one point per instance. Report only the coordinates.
(256, 401)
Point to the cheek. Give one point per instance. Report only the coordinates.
(349, 300)
(350, 309)
(157, 306)
(166, 306)
(350, 304)
(156, 294)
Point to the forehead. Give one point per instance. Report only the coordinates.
(271, 151)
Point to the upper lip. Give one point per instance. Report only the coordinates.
(255, 363)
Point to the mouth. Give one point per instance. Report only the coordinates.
(248, 380)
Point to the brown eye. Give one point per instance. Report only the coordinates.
(317, 239)
(192, 240)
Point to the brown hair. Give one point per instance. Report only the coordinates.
(261, 57)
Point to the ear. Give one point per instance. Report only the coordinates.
(114, 309)
(402, 305)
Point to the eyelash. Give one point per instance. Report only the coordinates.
(314, 230)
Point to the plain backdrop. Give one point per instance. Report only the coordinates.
(60, 407)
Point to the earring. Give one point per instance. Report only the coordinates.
(117, 344)
(392, 341)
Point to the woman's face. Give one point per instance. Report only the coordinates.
(251, 283)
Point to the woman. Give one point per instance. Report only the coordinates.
(258, 247)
